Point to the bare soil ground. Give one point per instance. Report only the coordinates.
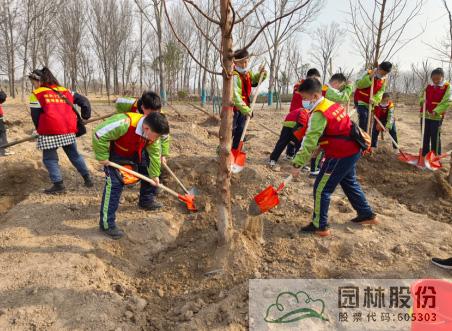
(59, 273)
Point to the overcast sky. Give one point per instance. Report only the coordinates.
(433, 17)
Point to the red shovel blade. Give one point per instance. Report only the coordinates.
(432, 161)
(189, 201)
(408, 158)
(238, 159)
(267, 199)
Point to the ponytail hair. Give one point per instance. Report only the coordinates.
(44, 76)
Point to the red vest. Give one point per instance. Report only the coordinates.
(297, 100)
(434, 95)
(1, 111)
(246, 87)
(57, 116)
(382, 112)
(301, 116)
(130, 145)
(134, 108)
(336, 141)
(363, 95)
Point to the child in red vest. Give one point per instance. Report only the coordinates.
(294, 128)
(384, 111)
(330, 126)
(128, 139)
(244, 81)
(297, 100)
(362, 92)
(438, 99)
(3, 139)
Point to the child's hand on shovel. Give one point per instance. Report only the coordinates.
(104, 162)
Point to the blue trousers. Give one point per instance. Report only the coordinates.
(238, 124)
(375, 133)
(284, 140)
(334, 172)
(50, 159)
(363, 116)
(432, 137)
(112, 194)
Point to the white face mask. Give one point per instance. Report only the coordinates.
(241, 70)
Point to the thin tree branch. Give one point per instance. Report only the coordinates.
(200, 11)
(253, 39)
(185, 46)
(241, 19)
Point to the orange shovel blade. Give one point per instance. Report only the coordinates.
(189, 201)
(267, 199)
(238, 159)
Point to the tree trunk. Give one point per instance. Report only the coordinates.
(380, 31)
(224, 221)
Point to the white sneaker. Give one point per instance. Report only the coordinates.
(314, 173)
(288, 157)
(272, 163)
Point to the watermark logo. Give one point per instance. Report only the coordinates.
(292, 307)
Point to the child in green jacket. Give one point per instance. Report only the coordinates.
(128, 139)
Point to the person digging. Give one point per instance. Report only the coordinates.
(127, 139)
(244, 81)
(331, 127)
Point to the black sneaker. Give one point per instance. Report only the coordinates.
(365, 220)
(114, 233)
(311, 228)
(443, 263)
(88, 181)
(57, 188)
(153, 205)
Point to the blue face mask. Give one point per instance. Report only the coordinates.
(307, 104)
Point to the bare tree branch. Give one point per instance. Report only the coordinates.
(200, 11)
(268, 23)
(183, 44)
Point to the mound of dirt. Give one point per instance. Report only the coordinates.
(422, 191)
(17, 180)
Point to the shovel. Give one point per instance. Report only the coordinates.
(192, 192)
(404, 157)
(420, 161)
(239, 157)
(189, 200)
(267, 199)
(432, 161)
(34, 136)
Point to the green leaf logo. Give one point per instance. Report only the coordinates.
(277, 313)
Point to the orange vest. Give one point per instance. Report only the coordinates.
(336, 141)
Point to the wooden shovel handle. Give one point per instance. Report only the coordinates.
(99, 118)
(12, 143)
(248, 118)
(385, 130)
(175, 177)
(145, 178)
